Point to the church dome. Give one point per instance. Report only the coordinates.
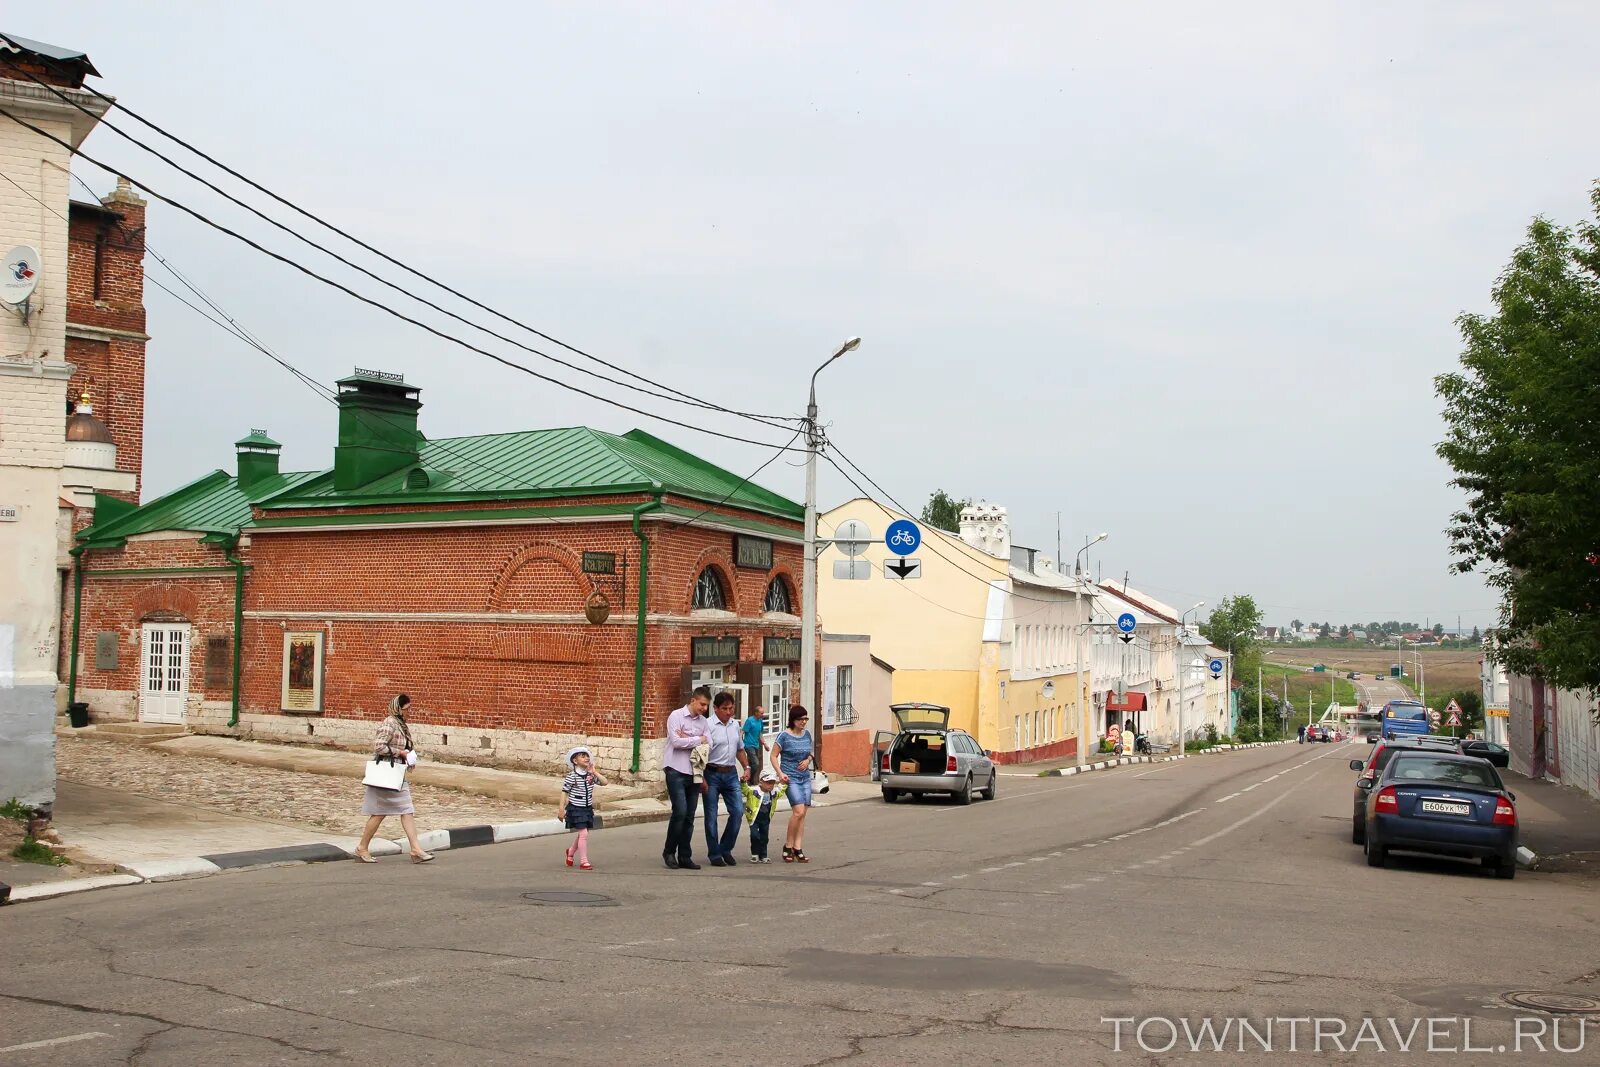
(82, 426)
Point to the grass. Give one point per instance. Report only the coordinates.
(15, 810)
(1303, 683)
(1442, 669)
(32, 851)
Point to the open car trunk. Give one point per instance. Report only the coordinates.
(918, 754)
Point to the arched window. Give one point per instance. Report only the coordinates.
(708, 591)
(778, 598)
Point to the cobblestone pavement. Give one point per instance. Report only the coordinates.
(267, 793)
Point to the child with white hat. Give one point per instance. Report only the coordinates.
(759, 804)
(577, 803)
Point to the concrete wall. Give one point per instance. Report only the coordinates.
(1553, 734)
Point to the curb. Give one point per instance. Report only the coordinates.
(168, 870)
(1122, 761)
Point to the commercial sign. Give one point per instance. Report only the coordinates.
(1497, 712)
(599, 563)
(713, 650)
(780, 650)
(755, 552)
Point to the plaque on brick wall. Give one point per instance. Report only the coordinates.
(754, 552)
(713, 650)
(302, 673)
(219, 662)
(781, 650)
(105, 650)
(599, 563)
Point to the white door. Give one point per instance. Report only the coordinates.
(164, 671)
(775, 684)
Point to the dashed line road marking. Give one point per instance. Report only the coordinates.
(49, 1042)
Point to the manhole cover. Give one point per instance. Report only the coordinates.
(559, 898)
(1553, 1003)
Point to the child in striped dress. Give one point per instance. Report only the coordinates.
(577, 803)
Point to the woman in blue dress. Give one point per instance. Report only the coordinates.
(791, 754)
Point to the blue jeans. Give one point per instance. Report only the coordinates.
(682, 793)
(723, 784)
(758, 831)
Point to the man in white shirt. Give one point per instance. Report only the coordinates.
(726, 767)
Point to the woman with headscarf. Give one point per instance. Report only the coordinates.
(392, 742)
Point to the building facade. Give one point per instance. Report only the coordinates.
(1553, 733)
(35, 369)
(857, 689)
(989, 629)
(529, 591)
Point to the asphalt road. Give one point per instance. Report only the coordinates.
(1006, 932)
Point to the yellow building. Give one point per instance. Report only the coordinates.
(988, 629)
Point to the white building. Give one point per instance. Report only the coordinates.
(1496, 690)
(33, 402)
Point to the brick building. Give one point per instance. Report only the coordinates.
(529, 591)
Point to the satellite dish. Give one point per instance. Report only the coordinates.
(19, 275)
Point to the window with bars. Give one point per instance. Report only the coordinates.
(709, 593)
(844, 712)
(778, 597)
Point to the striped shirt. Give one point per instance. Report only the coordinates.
(579, 788)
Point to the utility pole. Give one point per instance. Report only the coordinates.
(1179, 659)
(808, 586)
(1084, 634)
(1259, 700)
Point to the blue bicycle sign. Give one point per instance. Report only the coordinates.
(1216, 666)
(902, 537)
(1126, 622)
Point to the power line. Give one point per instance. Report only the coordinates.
(386, 308)
(676, 395)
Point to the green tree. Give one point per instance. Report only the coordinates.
(943, 511)
(1477, 636)
(1438, 629)
(1236, 623)
(1522, 439)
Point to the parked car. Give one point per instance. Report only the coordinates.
(1374, 765)
(1495, 754)
(1372, 737)
(926, 756)
(1444, 804)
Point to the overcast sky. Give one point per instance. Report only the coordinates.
(1182, 273)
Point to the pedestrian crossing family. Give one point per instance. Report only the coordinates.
(727, 768)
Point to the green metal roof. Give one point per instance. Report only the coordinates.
(528, 465)
(212, 504)
(535, 464)
(257, 438)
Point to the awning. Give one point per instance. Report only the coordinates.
(1129, 702)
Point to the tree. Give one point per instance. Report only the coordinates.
(1477, 636)
(1344, 631)
(1296, 625)
(1438, 629)
(1324, 630)
(1236, 623)
(943, 511)
(1522, 439)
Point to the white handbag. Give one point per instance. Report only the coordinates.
(385, 774)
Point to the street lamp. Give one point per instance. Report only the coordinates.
(1082, 623)
(808, 585)
(1260, 730)
(1227, 693)
(1183, 674)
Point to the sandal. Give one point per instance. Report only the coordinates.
(800, 857)
(569, 857)
(788, 854)
(363, 857)
(585, 866)
(422, 857)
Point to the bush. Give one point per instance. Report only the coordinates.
(32, 851)
(15, 810)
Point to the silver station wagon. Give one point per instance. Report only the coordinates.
(926, 756)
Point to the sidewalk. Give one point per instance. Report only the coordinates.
(1559, 824)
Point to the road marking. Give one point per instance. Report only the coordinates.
(1097, 878)
(1262, 810)
(984, 806)
(957, 877)
(1055, 854)
(991, 870)
(1037, 859)
(1146, 774)
(1247, 788)
(1073, 885)
(90, 1036)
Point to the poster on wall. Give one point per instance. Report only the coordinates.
(830, 695)
(302, 672)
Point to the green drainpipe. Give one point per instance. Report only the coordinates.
(238, 620)
(638, 650)
(77, 612)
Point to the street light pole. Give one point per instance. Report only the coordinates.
(1227, 694)
(1084, 634)
(808, 585)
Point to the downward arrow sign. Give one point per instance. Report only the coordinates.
(902, 568)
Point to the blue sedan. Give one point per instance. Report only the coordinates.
(1444, 804)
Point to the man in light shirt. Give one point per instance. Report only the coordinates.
(726, 767)
(686, 729)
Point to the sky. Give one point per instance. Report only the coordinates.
(1179, 273)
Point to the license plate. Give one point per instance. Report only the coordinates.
(1446, 807)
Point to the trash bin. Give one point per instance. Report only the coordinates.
(78, 715)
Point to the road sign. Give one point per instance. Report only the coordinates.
(1452, 709)
(902, 568)
(1454, 720)
(852, 570)
(1433, 717)
(1126, 622)
(1125, 638)
(902, 537)
(1216, 668)
(852, 537)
